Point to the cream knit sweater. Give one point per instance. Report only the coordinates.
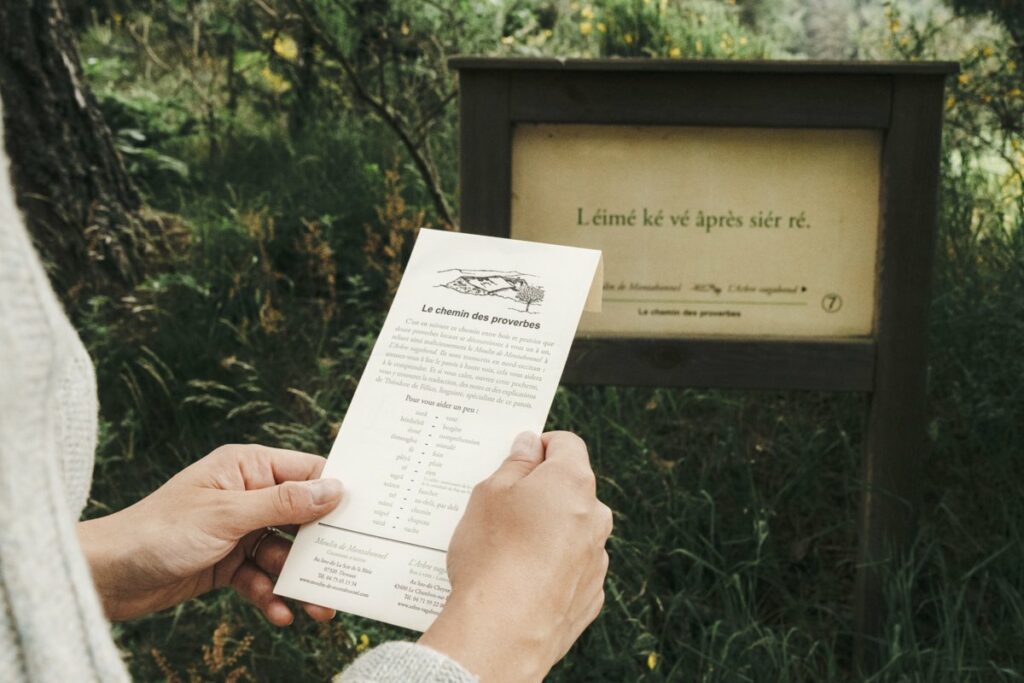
(52, 626)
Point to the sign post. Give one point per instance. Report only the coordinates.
(765, 225)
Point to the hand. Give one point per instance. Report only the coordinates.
(197, 532)
(527, 563)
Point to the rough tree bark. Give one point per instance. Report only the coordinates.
(85, 214)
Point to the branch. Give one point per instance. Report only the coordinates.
(381, 108)
(428, 121)
(147, 48)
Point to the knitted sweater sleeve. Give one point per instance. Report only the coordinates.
(52, 627)
(404, 663)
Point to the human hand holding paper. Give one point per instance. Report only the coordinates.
(200, 531)
(527, 563)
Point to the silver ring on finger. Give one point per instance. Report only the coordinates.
(269, 531)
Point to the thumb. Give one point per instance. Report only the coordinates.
(526, 453)
(293, 502)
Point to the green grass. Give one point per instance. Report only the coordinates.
(732, 557)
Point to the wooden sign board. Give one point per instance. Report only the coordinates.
(765, 225)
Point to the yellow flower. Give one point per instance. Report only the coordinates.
(675, 53)
(404, 28)
(1015, 93)
(652, 660)
(586, 27)
(601, 27)
(743, 40)
(588, 12)
(628, 39)
(508, 40)
(950, 102)
(988, 52)
(699, 47)
(364, 642)
(894, 25)
(276, 82)
(285, 48)
(963, 79)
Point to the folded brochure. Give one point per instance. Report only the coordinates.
(470, 355)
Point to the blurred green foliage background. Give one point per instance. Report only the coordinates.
(293, 147)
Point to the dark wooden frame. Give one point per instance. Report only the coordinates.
(903, 100)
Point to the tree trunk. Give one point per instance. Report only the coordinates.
(81, 207)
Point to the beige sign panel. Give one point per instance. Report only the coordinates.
(710, 231)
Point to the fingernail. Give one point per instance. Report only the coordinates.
(524, 442)
(325, 490)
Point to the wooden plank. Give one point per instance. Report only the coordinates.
(485, 154)
(694, 99)
(844, 365)
(761, 66)
(896, 431)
